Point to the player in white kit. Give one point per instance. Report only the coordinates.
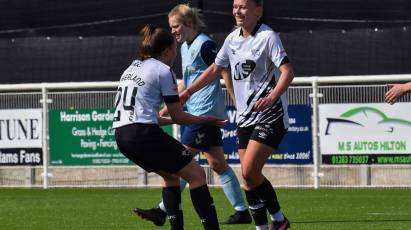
(198, 51)
(142, 88)
(261, 74)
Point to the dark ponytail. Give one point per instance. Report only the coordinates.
(154, 41)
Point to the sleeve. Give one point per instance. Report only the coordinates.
(168, 86)
(222, 58)
(276, 51)
(208, 52)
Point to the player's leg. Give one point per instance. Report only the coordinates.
(172, 200)
(158, 214)
(176, 159)
(253, 161)
(161, 209)
(230, 185)
(257, 208)
(200, 195)
(208, 139)
(165, 159)
(259, 148)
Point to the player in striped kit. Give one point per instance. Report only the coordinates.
(261, 74)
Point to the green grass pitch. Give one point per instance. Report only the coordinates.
(310, 209)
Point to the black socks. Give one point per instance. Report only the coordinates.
(260, 199)
(257, 208)
(267, 195)
(204, 206)
(172, 203)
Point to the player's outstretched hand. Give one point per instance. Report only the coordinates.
(263, 103)
(163, 112)
(396, 92)
(211, 120)
(184, 96)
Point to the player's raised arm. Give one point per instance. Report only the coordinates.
(209, 75)
(180, 117)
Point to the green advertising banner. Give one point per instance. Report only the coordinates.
(84, 137)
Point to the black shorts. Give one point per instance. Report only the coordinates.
(151, 148)
(269, 134)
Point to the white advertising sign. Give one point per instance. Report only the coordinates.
(20, 128)
(365, 128)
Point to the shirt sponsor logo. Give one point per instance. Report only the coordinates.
(243, 69)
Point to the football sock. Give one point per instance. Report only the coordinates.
(232, 189)
(172, 203)
(204, 205)
(265, 192)
(183, 184)
(257, 208)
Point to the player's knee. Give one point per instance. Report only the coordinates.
(197, 176)
(249, 176)
(246, 174)
(171, 180)
(218, 167)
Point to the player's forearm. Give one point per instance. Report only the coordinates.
(205, 78)
(180, 117)
(165, 121)
(286, 77)
(228, 83)
(407, 87)
(184, 118)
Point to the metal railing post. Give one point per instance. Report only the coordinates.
(45, 135)
(315, 134)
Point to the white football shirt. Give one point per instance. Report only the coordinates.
(142, 88)
(254, 65)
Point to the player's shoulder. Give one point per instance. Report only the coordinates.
(234, 34)
(208, 45)
(155, 64)
(204, 37)
(268, 34)
(267, 31)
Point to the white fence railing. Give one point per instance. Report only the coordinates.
(304, 90)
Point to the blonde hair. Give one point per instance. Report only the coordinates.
(188, 16)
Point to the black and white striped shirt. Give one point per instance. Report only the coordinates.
(254, 65)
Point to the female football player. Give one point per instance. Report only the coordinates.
(198, 51)
(142, 88)
(261, 73)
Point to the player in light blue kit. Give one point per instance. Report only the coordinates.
(198, 51)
